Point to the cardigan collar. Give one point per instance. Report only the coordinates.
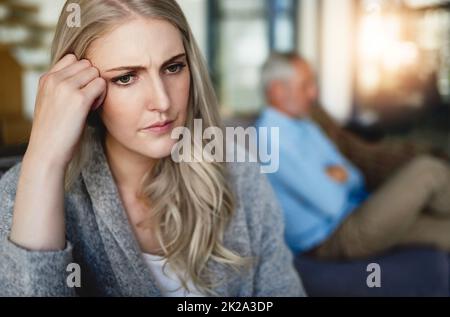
(121, 246)
(123, 251)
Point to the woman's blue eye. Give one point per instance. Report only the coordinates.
(175, 68)
(123, 80)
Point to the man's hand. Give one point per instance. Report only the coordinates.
(337, 173)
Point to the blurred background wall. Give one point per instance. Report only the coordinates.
(383, 66)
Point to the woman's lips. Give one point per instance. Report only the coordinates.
(160, 128)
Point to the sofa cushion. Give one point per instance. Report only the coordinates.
(414, 271)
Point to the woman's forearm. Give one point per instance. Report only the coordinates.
(38, 220)
(66, 94)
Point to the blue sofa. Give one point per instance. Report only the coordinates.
(413, 271)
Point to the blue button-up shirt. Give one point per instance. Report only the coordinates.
(313, 203)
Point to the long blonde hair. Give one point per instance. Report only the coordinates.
(191, 203)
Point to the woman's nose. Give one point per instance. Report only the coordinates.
(159, 99)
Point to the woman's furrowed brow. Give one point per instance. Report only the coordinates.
(172, 59)
(140, 67)
(134, 68)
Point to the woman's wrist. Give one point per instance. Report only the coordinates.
(43, 161)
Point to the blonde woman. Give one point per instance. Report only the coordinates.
(106, 200)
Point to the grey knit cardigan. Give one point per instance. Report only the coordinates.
(100, 240)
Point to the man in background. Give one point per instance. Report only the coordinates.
(328, 208)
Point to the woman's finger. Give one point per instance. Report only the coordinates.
(84, 77)
(73, 69)
(99, 100)
(94, 90)
(64, 62)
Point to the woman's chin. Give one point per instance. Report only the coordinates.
(158, 150)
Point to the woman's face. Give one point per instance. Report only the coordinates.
(145, 66)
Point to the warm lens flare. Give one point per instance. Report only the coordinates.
(382, 51)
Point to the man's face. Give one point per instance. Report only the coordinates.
(300, 93)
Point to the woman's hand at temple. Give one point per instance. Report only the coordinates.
(66, 95)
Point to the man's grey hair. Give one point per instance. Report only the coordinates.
(278, 67)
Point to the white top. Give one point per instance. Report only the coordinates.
(167, 280)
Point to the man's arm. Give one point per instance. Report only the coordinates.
(307, 179)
